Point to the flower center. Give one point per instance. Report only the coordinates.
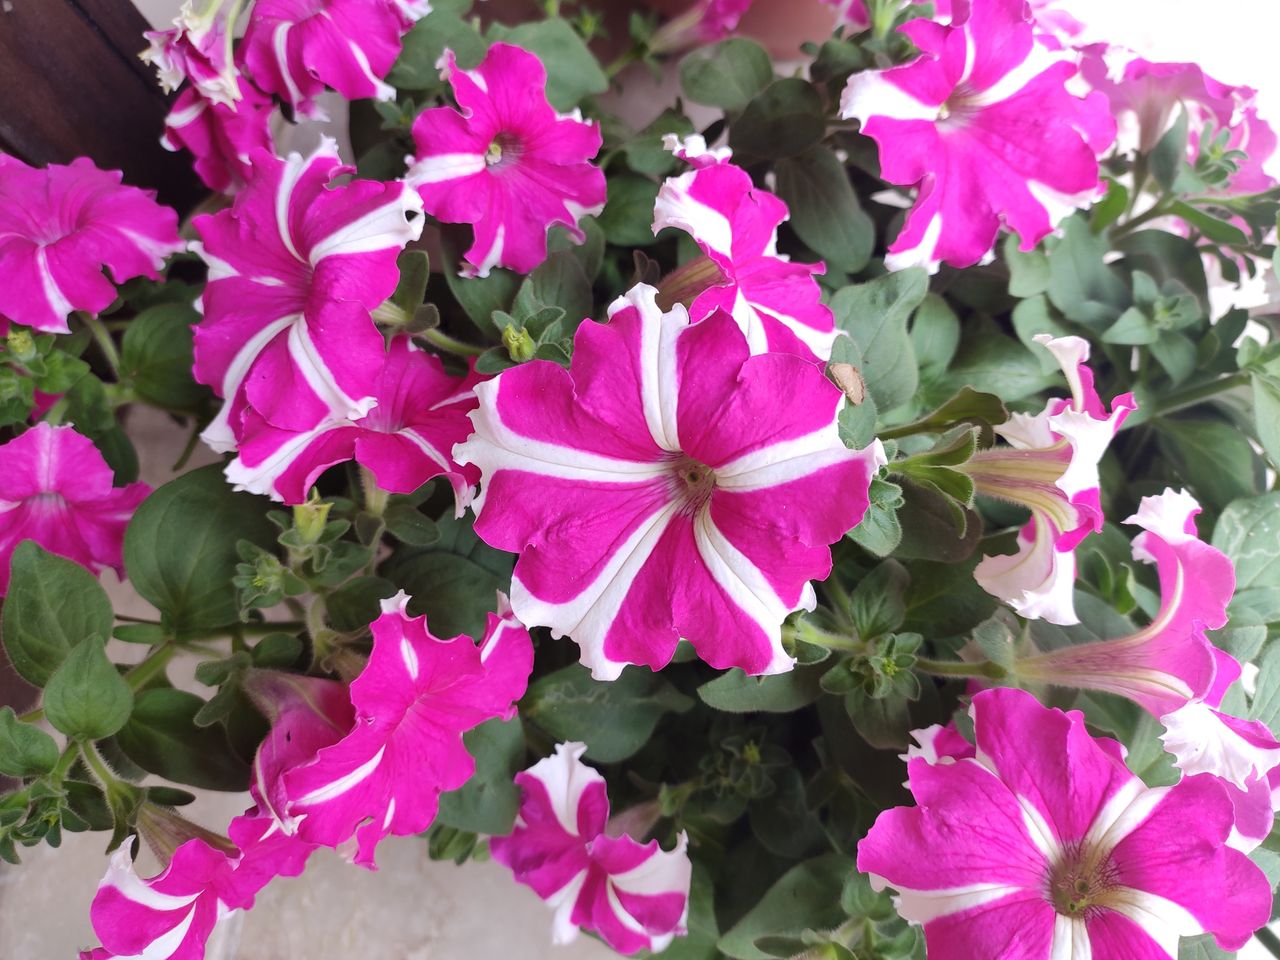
(1081, 881)
(694, 482)
(957, 108)
(504, 150)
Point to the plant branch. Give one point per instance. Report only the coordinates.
(1269, 940)
(960, 668)
(438, 338)
(104, 341)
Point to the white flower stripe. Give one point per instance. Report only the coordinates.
(1163, 920)
(442, 167)
(1070, 939)
(218, 434)
(385, 227)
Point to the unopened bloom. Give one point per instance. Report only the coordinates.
(1046, 846)
(222, 139)
(296, 264)
(296, 48)
(413, 701)
(406, 439)
(60, 226)
(948, 122)
(195, 48)
(669, 484)
(1051, 467)
(507, 163)
(703, 22)
(634, 895)
(1169, 662)
(55, 489)
(777, 304)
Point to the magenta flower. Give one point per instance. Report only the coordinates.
(1050, 467)
(1255, 138)
(851, 13)
(295, 267)
(668, 485)
(296, 48)
(939, 744)
(195, 48)
(406, 439)
(982, 123)
(60, 226)
(507, 163)
(55, 489)
(776, 303)
(634, 895)
(221, 138)
(413, 702)
(1170, 661)
(1046, 846)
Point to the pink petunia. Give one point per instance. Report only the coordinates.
(60, 226)
(296, 264)
(1046, 845)
(983, 125)
(1051, 467)
(668, 485)
(507, 162)
(413, 701)
(221, 138)
(405, 440)
(1169, 662)
(939, 744)
(777, 304)
(634, 895)
(55, 489)
(296, 48)
(851, 13)
(195, 49)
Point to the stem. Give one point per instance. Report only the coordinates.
(959, 668)
(438, 338)
(189, 449)
(98, 766)
(623, 61)
(147, 670)
(1189, 397)
(1161, 209)
(1269, 940)
(103, 339)
(65, 762)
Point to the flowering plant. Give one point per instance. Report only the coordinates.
(626, 503)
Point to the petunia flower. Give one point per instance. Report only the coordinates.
(413, 701)
(296, 264)
(195, 49)
(1045, 845)
(55, 489)
(222, 139)
(983, 125)
(505, 161)
(851, 13)
(1169, 662)
(669, 484)
(634, 895)
(296, 48)
(1050, 467)
(60, 226)
(777, 304)
(405, 440)
(939, 744)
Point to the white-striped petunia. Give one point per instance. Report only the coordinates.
(669, 484)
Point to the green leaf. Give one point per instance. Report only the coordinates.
(357, 603)
(25, 750)
(1217, 462)
(614, 719)
(410, 525)
(416, 68)
(454, 581)
(805, 897)
(627, 217)
(86, 698)
(1218, 231)
(1266, 414)
(1266, 698)
(1248, 532)
(180, 548)
(62, 371)
(646, 154)
(1133, 328)
(1109, 209)
(156, 357)
(736, 692)
(877, 605)
(489, 800)
(1170, 153)
(825, 212)
(875, 316)
(1081, 284)
(785, 119)
(880, 531)
(479, 297)
(1028, 272)
(935, 336)
(930, 521)
(415, 271)
(560, 281)
(726, 74)
(52, 606)
(572, 70)
(161, 737)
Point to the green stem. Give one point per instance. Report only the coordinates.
(1269, 940)
(147, 670)
(623, 61)
(959, 668)
(98, 766)
(438, 338)
(1191, 396)
(65, 763)
(103, 339)
(189, 449)
(1161, 209)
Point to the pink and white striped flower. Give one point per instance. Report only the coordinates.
(1046, 846)
(295, 267)
(56, 489)
(1169, 662)
(983, 125)
(669, 484)
(1050, 467)
(195, 48)
(405, 440)
(413, 701)
(222, 139)
(634, 895)
(776, 303)
(939, 744)
(296, 48)
(507, 163)
(60, 226)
